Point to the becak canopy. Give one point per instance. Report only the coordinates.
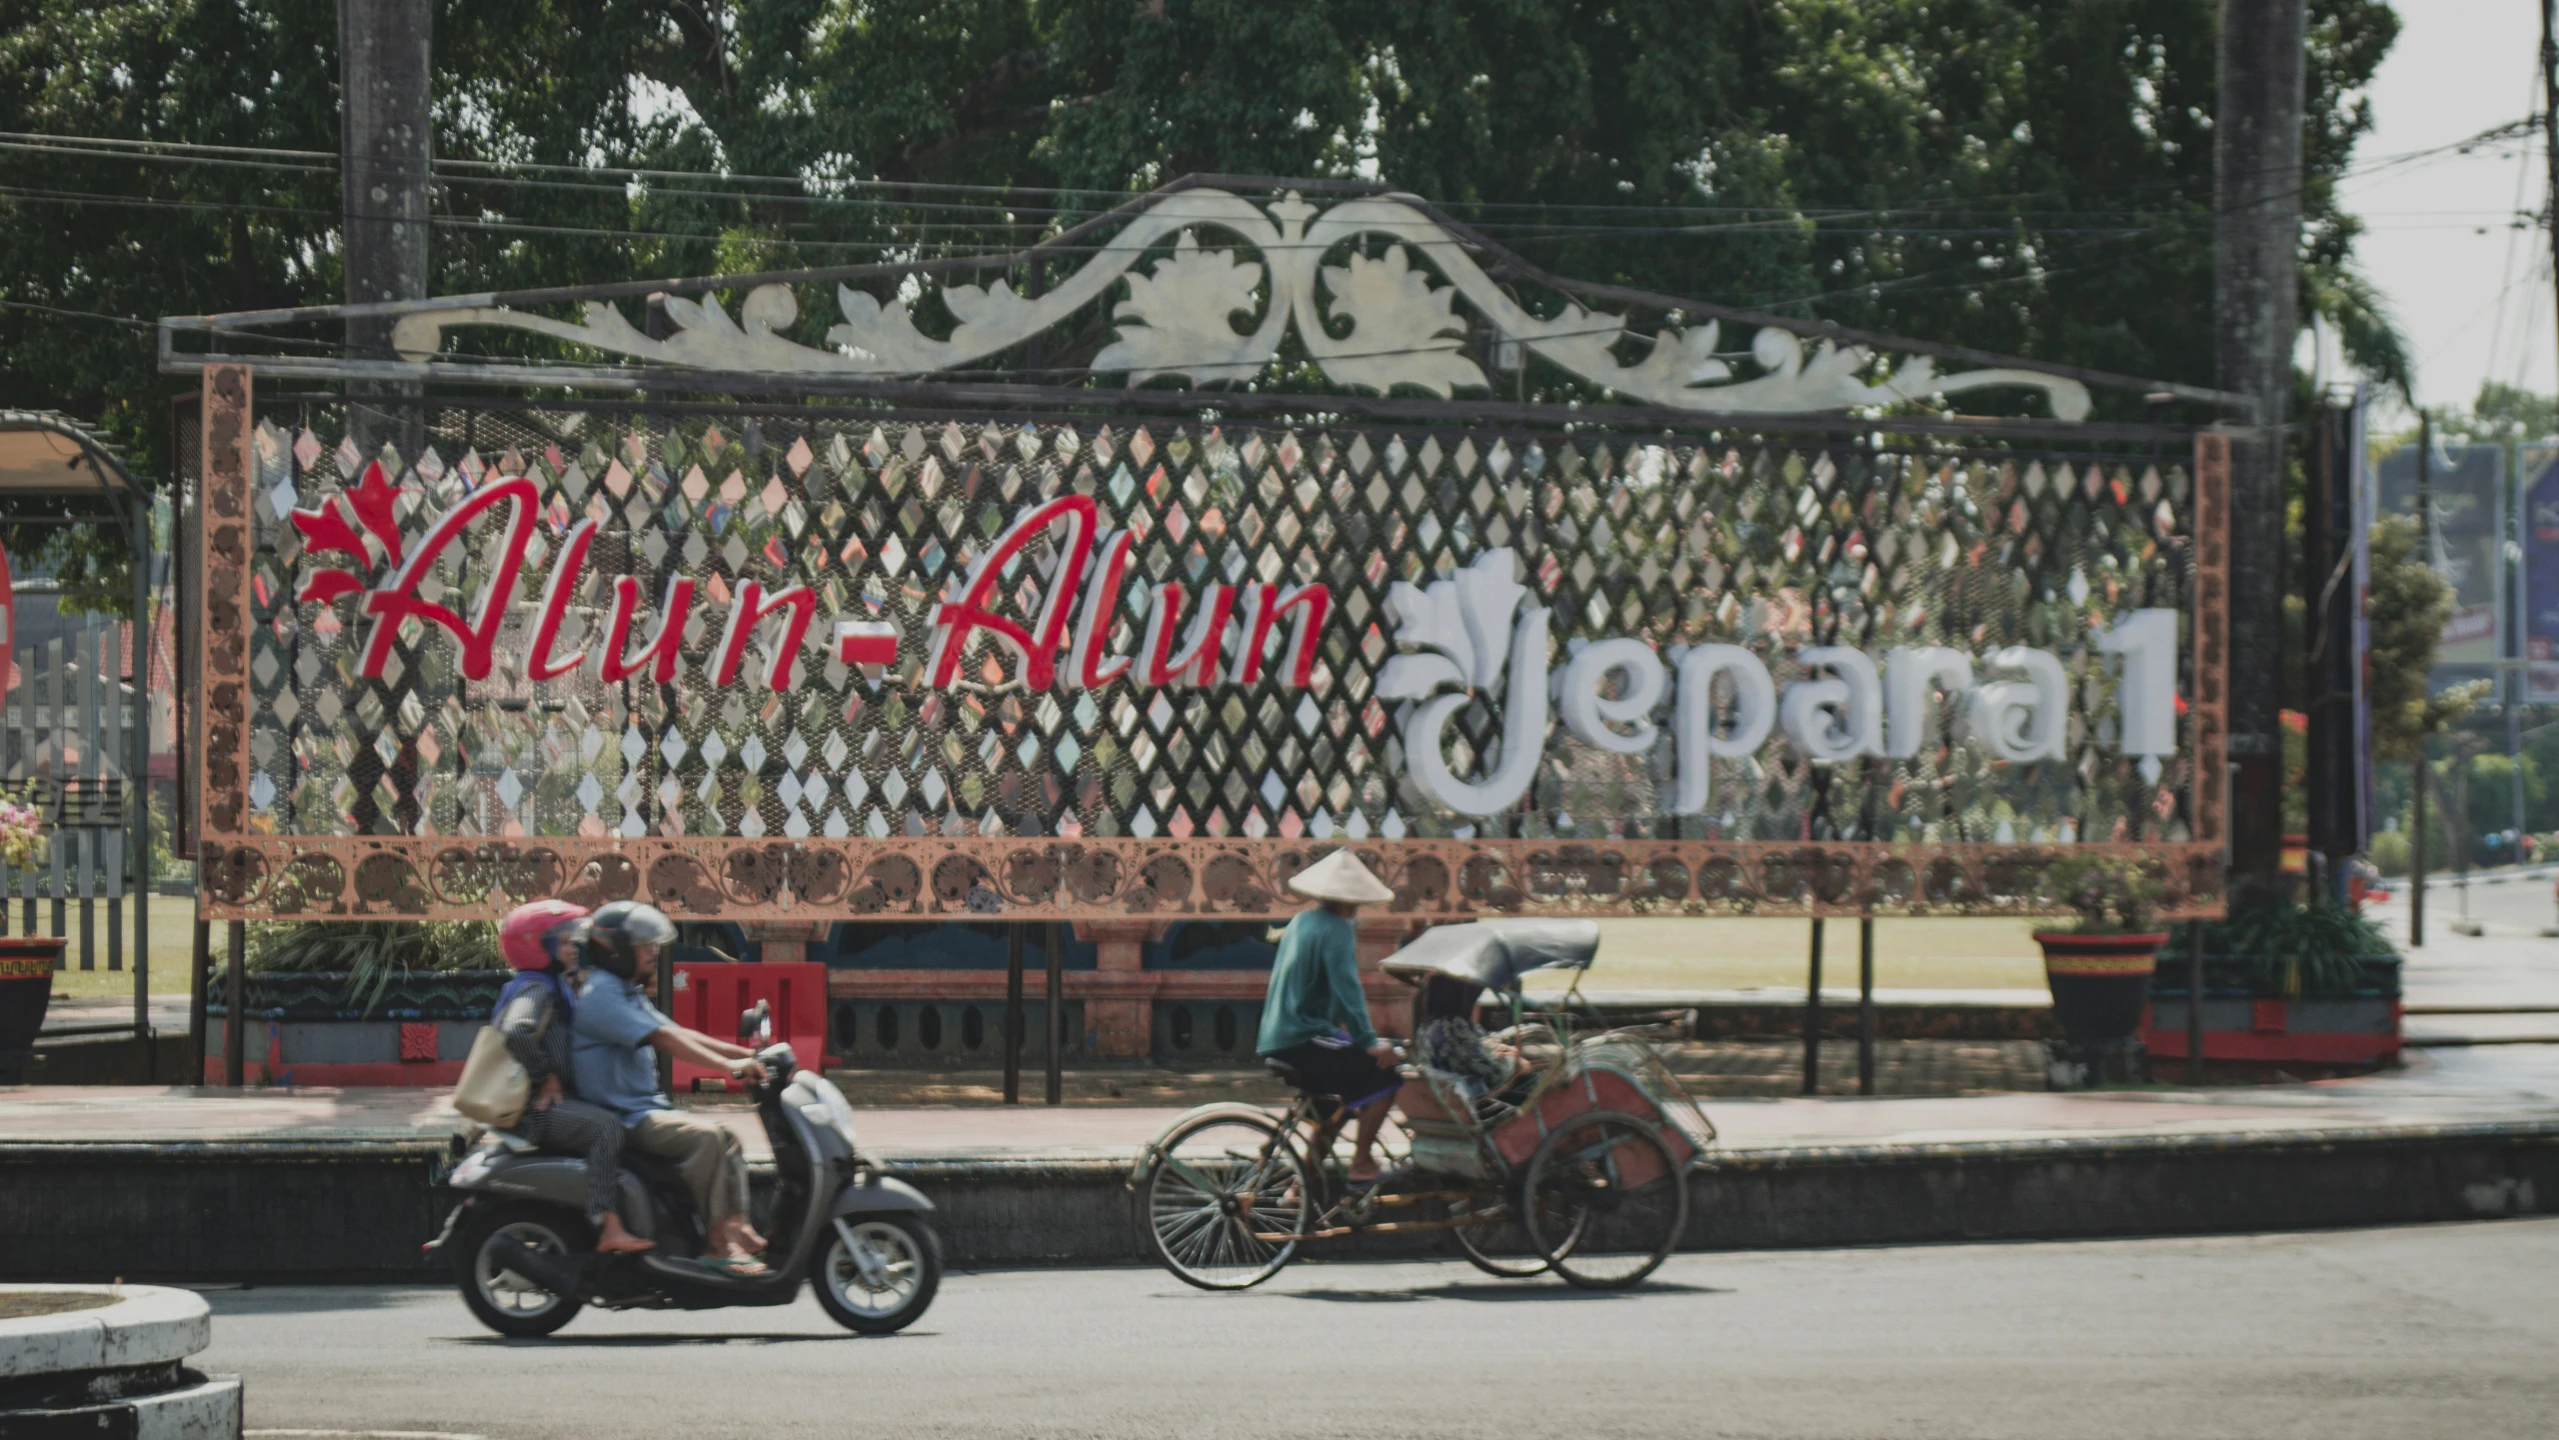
(1495, 953)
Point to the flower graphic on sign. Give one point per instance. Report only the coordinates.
(342, 524)
(1466, 630)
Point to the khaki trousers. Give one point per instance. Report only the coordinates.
(713, 1162)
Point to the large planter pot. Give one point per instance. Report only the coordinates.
(324, 995)
(27, 966)
(2249, 1021)
(2100, 983)
(299, 1028)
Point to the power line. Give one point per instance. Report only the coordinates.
(134, 321)
(110, 144)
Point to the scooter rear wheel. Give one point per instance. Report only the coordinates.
(890, 1284)
(510, 1303)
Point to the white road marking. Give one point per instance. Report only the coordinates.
(358, 1435)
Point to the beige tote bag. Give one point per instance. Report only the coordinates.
(494, 1088)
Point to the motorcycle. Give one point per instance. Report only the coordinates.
(525, 1257)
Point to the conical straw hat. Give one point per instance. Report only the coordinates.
(1340, 876)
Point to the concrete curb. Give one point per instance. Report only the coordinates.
(317, 1211)
(114, 1370)
(146, 1325)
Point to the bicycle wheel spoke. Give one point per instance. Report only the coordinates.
(1183, 1226)
(1214, 1187)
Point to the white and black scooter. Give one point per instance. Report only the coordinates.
(526, 1259)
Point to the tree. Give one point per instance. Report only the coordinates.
(2504, 414)
(2408, 608)
(2027, 176)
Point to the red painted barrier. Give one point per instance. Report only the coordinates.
(711, 995)
(2274, 1035)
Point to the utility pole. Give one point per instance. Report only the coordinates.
(2417, 838)
(2256, 250)
(2550, 127)
(2550, 157)
(385, 151)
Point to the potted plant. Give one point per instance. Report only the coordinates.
(2099, 966)
(27, 962)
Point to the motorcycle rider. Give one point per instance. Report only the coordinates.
(534, 1015)
(616, 1029)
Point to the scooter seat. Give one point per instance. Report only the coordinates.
(512, 1143)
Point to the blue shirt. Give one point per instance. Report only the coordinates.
(1315, 987)
(609, 1056)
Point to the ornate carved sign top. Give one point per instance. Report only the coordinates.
(1376, 290)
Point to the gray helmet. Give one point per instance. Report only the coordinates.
(615, 933)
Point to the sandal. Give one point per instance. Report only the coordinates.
(745, 1267)
(1385, 1175)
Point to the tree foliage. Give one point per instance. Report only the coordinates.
(2027, 176)
(2409, 605)
(2503, 415)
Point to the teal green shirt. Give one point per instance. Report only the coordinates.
(1315, 987)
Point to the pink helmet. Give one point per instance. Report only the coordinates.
(523, 935)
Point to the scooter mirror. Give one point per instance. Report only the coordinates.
(755, 1023)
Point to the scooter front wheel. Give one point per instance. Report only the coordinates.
(880, 1273)
(496, 1249)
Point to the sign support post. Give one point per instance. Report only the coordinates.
(1013, 1013)
(1866, 1006)
(1813, 1016)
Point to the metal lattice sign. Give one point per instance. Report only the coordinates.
(811, 662)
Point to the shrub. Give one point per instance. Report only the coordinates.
(2389, 852)
(2296, 950)
(2108, 894)
(373, 953)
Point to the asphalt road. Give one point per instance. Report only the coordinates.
(2441, 1330)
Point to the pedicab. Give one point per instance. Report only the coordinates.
(1578, 1167)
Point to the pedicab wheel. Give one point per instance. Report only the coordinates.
(1222, 1187)
(1497, 1246)
(500, 1297)
(888, 1282)
(1605, 1200)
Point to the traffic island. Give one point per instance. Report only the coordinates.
(94, 1361)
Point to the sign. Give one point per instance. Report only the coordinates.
(2467, 523)
(2540, 464)
(831, 662)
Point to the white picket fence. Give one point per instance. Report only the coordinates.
(64, 748)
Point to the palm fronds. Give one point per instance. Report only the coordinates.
(373, 953)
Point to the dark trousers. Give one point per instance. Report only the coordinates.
(573, 1127)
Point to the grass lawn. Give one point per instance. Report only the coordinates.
(172, 935)
(1739, 954)
(1725, 954)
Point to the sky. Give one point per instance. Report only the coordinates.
(2472, 293)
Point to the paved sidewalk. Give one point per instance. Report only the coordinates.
(2483, 1085)
(2500, 987)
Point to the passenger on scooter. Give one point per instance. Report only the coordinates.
(614, 1059)
(534, 1015)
